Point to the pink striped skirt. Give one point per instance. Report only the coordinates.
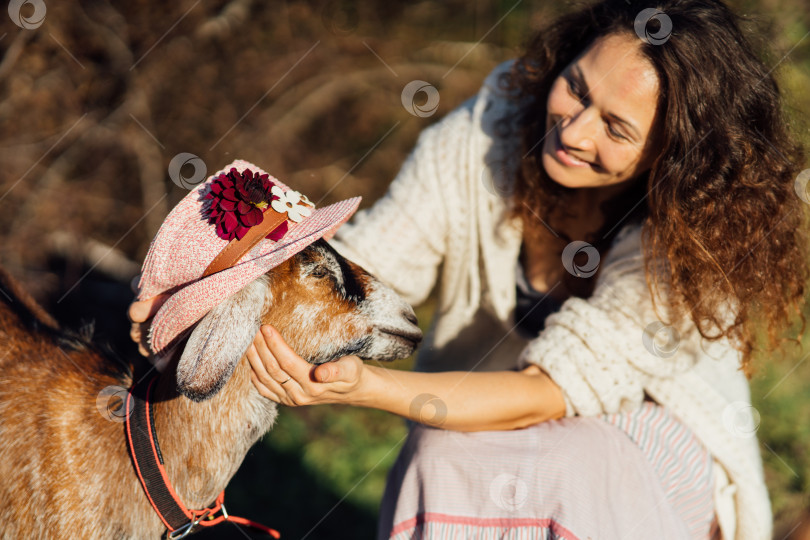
(640, 474)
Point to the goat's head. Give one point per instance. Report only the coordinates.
(324, 306)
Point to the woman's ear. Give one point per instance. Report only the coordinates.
(218, 342)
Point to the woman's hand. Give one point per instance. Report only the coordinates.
(458, 400)
(284, 377)
(140, 314)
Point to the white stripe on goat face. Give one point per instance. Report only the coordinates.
(339, 309)
(324, 306)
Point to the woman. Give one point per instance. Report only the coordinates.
(559, 410)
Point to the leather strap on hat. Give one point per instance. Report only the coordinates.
(237, 248)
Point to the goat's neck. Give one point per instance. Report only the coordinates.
(204, 443)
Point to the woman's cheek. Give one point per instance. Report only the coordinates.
(559, 103)
(619, 160)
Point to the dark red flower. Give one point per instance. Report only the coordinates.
(238, 202)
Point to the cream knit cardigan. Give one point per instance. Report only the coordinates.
(441, 223)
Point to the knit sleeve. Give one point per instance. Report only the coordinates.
(603, 350)
(402, 238)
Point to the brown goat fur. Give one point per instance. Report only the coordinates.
(65, 467)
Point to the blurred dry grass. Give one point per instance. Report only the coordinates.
(96, 102)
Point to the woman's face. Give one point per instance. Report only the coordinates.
(599, 116)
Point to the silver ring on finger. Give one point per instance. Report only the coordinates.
(288, 380)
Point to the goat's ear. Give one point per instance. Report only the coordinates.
(219, 341)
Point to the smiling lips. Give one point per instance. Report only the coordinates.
(564, 157)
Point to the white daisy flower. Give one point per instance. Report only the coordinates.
(290, 203)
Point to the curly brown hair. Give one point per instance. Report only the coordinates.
(718, 204)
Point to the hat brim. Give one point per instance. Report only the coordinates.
(189, 304)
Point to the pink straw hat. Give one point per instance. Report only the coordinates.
(226, 232)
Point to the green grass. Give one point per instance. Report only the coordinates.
(779, 393)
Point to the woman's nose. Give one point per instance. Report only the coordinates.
(578, 131)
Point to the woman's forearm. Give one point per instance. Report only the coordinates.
(463, 401)
(457, 400)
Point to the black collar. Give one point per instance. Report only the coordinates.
(148, 462)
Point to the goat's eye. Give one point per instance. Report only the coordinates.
(319, 272)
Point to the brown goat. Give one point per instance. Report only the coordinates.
(65, 468)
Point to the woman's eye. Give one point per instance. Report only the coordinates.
(615, 133)
(574, 89)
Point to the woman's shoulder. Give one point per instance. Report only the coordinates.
(475, 121)
(493, 101)
(496, 83)
(496, 101)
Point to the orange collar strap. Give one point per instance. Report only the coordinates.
(148, 461)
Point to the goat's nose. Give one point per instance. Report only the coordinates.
(410, 316)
